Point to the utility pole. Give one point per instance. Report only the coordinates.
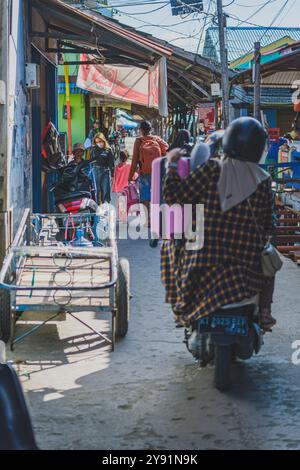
(257, 80)
(224, 63)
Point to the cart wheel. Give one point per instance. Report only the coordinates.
(153, 243)
(5, 316)
(122, 298)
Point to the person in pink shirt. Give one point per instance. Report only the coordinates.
(120, 182)
(122, 173)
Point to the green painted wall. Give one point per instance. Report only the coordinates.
(264, 60)
(77, 117)
(73, 69)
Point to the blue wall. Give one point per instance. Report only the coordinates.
(271, 115)
(243, 112)
(19, 135)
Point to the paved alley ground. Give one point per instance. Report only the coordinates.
(149, 394)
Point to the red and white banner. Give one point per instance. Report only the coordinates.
(206, 115)
(131, 84)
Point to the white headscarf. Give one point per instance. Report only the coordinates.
(238, 180)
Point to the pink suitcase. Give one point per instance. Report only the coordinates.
(128, 198)
(174, 223)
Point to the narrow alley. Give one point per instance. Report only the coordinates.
(150, 393)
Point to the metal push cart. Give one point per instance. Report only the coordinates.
(41, 274)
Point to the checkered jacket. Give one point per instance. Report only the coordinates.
(228, 267)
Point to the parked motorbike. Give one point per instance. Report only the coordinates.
(75, 197)
(229, 333)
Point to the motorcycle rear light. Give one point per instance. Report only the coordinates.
(73, 206)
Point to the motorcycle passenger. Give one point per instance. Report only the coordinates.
(103, 167)
(237, 198)
(74, 185)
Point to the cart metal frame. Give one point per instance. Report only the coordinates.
(25, 247)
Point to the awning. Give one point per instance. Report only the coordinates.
(84, 32)
(96, 33)
(281, 72)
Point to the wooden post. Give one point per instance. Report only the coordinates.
(194, 126)
(68, 104)
(257, 81)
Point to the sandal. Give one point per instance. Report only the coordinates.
(179, 321)
(266, 320)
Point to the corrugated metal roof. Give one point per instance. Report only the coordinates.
(271, 96)
(283, 71)
(268, 96)
(240, 40)
(281, 78)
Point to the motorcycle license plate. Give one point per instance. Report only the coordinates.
(226, 324)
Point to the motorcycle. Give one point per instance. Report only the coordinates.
(229, 333)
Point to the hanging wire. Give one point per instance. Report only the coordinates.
(265, 32)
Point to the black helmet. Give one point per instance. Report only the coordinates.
(245, 139)
(146, 127)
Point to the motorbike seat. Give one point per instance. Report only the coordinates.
(16, 431)
(73, 196)
(250, 301)
(248, 307)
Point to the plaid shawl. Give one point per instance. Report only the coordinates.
(228, 268)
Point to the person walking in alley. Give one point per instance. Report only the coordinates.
(121, 173)
(182, 141)
(238, 220)
(102, 157)
(94, 130)
(120, 183)
(146, 149)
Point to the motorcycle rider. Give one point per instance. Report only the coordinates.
(237, 198)
(73, 177)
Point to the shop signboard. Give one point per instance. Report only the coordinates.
(129, 84)
(206, 115)
(97, 101)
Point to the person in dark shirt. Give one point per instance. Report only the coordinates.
(94, 130)
(182, 141)
(103, 163)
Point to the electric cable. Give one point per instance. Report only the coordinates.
(253, 6)
(257, 11)
(266, 30)
(147, 12)
(204, 26)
